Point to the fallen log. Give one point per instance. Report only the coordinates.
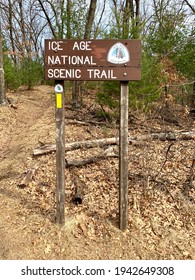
(79, 190)
(110, 152)
(162, 136)
(79, 186)
(85, 123)
(44, 149)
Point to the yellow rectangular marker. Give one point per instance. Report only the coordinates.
(58, 100)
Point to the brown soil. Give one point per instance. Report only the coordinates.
(161, 192)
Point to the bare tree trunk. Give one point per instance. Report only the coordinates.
(96, 28)
(10, 21)
(68, 20)
(137, 19)
(22, 27)
(130, 18)
(90, 19)
(77, 90)
(126, 19)
(48, 19)
(2, 81)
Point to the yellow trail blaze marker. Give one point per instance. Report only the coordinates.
(59, 92)
(58, 100)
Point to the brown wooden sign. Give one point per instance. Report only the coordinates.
(93, 60)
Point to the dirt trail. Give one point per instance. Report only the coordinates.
(21, 130)
(26, 124)
(157, 229)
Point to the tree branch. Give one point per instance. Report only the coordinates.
(190, 6)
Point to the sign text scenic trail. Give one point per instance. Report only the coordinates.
(113, 60)
(93, 60)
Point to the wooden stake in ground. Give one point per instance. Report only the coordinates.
(60, 152)
(123, 156)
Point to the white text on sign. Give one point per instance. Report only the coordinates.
(70, 60)
(79, 46)
(76, 73)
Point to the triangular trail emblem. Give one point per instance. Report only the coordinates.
(118, 54)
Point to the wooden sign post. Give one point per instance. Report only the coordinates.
(123, 156)
(60, 151)
(93, 60)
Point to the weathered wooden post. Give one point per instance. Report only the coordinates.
(123, 156)
(60, 151)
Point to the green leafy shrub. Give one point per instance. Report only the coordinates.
(184, 54)
(108, 94)
(28, 72)
(108, 98)
(12, 75)
(142, 93)
(31, 72)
